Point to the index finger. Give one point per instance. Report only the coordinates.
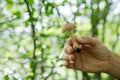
(88, 40)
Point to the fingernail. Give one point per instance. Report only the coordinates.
(71, 61)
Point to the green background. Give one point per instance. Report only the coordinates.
(31, 40)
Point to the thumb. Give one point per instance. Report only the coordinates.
(88, 40)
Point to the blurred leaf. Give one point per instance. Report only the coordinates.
(15, 78)
(43, 1)
(25, 56)
(64, 2)
(83, 1)
(33, 63)
(20, 3)
(31, 2)
(6, 77)
(17, 14)
(44, 35)
(49, 8)
(33, 10)
(31, 74)
(61, 65)
(8, 56)
(9, 6)
(31, 19)
(10, 25)
(26, 23)
(39, 45)
(8, 1)
(1, 24)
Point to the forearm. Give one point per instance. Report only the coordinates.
(114, 66)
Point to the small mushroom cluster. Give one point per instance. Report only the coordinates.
(69, 27)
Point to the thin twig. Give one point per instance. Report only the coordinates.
(7, 21)
(61, 16)
(49, 73)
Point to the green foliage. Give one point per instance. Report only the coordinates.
(17, 14)
(31, 19)
(31, 40)
(31, 2)
(8, 1)
(49, 8)
(6, 77)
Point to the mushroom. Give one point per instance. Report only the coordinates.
(69, 27)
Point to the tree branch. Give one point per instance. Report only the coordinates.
(8, 21)
(33, 37)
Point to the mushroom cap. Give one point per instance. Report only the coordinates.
(68, 27)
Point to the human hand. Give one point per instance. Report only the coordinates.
(94, 56)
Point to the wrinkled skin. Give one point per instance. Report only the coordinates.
(94, 56)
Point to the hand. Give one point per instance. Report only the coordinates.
(94, 56)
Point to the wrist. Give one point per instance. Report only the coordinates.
(114, 65)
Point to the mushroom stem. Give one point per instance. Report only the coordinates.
(69, 27)
(75, 44)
